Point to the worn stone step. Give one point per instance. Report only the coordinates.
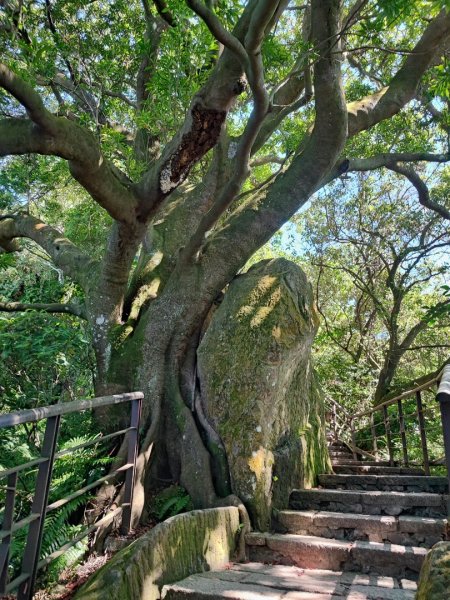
(337, 446)
(375, 469)
(363, 463)
(256, 581)
(317, 552)
(404, 530)
(397, 483)
(371, 503)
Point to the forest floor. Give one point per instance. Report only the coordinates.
(73, 577)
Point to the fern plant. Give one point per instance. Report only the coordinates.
(71, 472)
(171, 501)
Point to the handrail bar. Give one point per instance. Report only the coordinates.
(344, 410)
(410, 392)
(36, 414)
(40, 507)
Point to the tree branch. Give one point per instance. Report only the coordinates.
(386, 102)
(30, 100)
(422, 190)
(80, 149)
(263, 214)
(72, 309)
(218, 30)
(64, 254)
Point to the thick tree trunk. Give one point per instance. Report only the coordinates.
(160, 359)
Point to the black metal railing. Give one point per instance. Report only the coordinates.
(23, 584)
(411, 429)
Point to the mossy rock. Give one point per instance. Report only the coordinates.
(257, 378)
(434, 580)
(201, 540)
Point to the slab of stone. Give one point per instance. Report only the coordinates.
(425, 525)
(303, 520)
(405, 499)
(385, 482)
(370, 502)
(312, 552)
(376, 470)
(357, 592)
(256, 581)
(390, 559)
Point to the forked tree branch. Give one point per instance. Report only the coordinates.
(256, 220)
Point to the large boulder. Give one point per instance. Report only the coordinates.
(258, 384)
(434, 580)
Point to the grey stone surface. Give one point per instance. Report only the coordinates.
(267, 582)
(370, 502)
(385, 482)
(316, 552)
(374, 468)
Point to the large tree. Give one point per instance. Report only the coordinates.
(163, 114)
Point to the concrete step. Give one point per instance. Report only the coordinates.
(404, 530)
(310, 552)
(375, 469)
(371, 503)
(397, 483)
(256, 581)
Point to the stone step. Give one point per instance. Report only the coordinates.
(373, 468)
(256, 581)
(363, 463)
(404, 530)
(341, 455)
(337, 446)
(310, 552)
(371, 503)
(397, 483)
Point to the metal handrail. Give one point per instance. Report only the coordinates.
(24, 582)
(419, 388)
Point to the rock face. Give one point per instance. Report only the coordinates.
(434, 581)
(201, 540)
(259, 389)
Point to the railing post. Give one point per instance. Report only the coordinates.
(387, 427)
(401, 419)
(443, 397)
(423, 433)
(34, 539)
(133, 443)
(374, 436)
(352, 429)
(8, 518)
(334, 419)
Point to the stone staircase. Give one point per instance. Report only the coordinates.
(361, 535)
